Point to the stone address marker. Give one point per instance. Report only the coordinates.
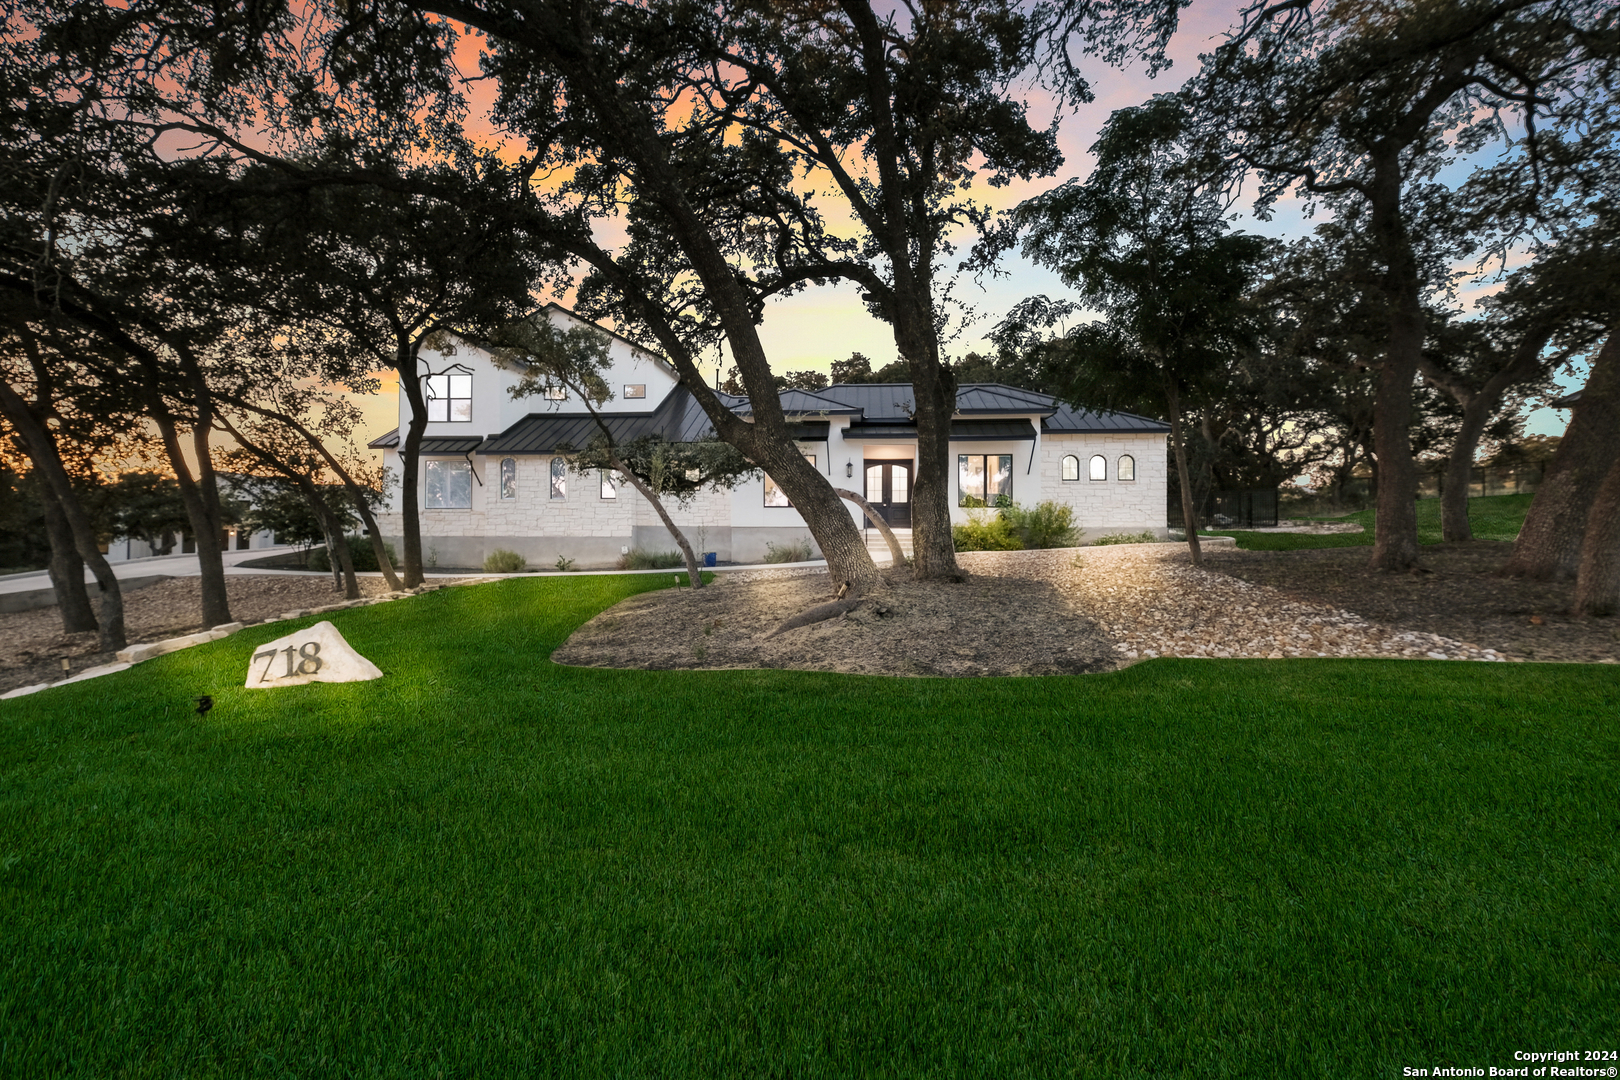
(314, 654)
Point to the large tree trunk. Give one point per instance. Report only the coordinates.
(933, 546)
(66, 566)
(1597, 582)
(1189, 514)
(1549, 544)
(1454, 526)
(43, 451)
(1395, 545)
(410, 458)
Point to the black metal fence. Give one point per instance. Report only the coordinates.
(1248, 508)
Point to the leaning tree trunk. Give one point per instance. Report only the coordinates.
(1549, 544)
(692, 570)
(66, 567)
(206, 527)
(1597, 582)
(337, 544)
(42, 450)
(872, 515)
(1189, 516)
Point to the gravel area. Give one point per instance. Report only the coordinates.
(1021, 612)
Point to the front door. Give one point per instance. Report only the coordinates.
(888, 487)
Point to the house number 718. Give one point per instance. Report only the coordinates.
(309, 661)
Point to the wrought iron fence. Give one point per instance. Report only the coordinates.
(1246, 508)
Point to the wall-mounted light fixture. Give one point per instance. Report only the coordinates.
(849, 468)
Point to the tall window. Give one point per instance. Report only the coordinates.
(559, 478)
(508, 478)
(775, 496)
(1126, 470)
(447, 485)
(1071, 467)
(610, 489)
(984, 479)
(1099, 467)
(449, 398)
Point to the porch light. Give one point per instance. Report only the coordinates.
(849, 468)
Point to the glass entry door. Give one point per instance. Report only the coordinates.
(888, 488)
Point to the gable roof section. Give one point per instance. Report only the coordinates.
(803, 403)
(543, 433)
(1068, 421)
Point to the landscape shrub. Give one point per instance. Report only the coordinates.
(638, 559)
(1143, 537)
(986, 530)
(360, 553)
(797, 551)
(1047, 525)
(501, 561)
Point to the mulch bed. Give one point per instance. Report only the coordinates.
(1460, 597)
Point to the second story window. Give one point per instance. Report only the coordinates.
(449, 398)
(635, 390)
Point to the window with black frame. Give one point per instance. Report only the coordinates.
(984, 480)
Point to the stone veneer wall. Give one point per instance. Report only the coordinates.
(1105, 506)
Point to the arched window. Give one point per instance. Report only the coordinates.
(1099, 467)
(1071, 467)
(1126, 470)
(559, 478)
(508, 478)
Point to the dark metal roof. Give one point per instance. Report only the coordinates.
(1567, 401)
(543, 433)
(1019, 430)
(996, 398)
(874, 401)
(1069, 421)
(431, 444)
(803, 403)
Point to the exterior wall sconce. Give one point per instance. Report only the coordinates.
(849, 468)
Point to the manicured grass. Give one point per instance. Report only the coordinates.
(1496, 517)
(488, 865)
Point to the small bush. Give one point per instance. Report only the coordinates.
(638, 559)
(564, 565)
(986, 531)
(501, 561)
(1048, 525)
(797, 551)
(1144, 537)
(360, 553)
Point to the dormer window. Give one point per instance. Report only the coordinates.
(449, 398)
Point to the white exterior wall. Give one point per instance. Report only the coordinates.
(1111, 505)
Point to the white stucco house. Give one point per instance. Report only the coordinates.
(492, 476)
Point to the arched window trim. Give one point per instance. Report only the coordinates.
(508, 478)
(1125, 474)
(559, 478)
(1098, 464)
(1069, 469)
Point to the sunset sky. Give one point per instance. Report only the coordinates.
(821, 325)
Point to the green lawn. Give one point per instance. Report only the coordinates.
(1496, 517)
(487, 865)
